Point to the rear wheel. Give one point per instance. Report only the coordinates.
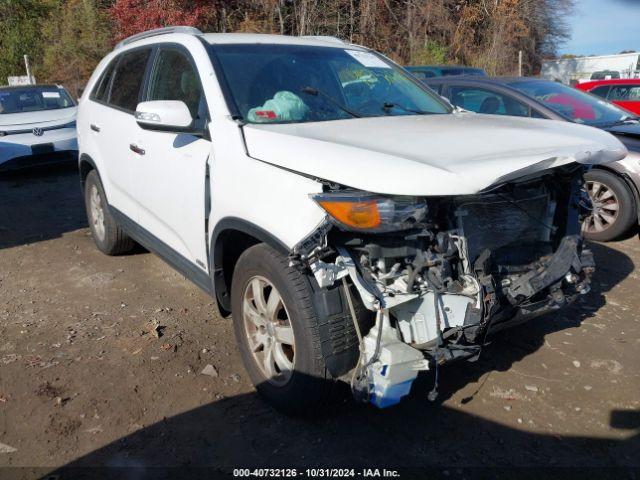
(107, 235)
(276, 328)
(614, 209)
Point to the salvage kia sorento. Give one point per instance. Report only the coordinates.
(353, 223)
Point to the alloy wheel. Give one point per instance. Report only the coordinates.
(268, 329)
(606, 208)
(97, 212)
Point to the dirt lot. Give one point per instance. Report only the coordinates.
(84, 383)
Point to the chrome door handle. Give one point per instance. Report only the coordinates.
(136, 149)
(95, 128)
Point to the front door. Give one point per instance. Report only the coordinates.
(170, 169)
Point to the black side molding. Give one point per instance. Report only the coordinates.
(164, 251)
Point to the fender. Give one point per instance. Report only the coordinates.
(249, 234)
(338, 339)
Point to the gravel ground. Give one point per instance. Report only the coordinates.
(85, 382)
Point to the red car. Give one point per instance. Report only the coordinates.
(623, 92)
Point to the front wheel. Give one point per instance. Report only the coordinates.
(614, 210)
(276, 327)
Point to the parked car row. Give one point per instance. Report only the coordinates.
(352, 220)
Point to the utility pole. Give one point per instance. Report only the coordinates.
(520, 63)
(26, 64)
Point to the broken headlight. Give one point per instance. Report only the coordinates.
(362, 211)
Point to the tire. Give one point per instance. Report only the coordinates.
(107, 235)
(614, 206)
(299, 390)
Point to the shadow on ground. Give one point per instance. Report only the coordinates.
(40, 204)
(244, 432)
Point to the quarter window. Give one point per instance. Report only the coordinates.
(601, 91)
(128, 79)
(175, 78)
(487, 101)
(101, 90)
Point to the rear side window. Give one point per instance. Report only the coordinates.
(175, 78)
(101, 90)
(128, 78)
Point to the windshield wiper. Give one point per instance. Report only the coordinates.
(628, 120)
(315, 92)
(390, 105)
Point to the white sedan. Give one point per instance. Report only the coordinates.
(37, 126)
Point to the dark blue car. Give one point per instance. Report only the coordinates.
(424, 72)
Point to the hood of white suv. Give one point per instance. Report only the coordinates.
(454, 154)
(42, 118)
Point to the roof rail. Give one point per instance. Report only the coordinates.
(326, 38)
(158, 31)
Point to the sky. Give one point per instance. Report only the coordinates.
(603, 27)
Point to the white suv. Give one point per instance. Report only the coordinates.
(351, 220)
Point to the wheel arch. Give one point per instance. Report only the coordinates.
(85, 165)
(230, 238)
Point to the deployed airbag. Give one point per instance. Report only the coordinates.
(285, 106)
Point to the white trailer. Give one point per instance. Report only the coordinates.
(579, 69)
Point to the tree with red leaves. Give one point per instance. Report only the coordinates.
(134, 16)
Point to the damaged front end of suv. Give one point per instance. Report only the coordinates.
(439, 274)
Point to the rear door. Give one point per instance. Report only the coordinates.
(112, 123)
(170, 169)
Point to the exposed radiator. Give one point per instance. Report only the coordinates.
(495, 221)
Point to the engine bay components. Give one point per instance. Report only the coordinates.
(440, 274)
(389, 365)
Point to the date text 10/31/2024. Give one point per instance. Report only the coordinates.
(316, 473)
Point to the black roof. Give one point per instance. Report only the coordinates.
(22, 87)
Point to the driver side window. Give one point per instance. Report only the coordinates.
(174, 77)
(481, 100)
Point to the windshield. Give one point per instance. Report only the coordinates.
(573, 104)
(33, 99)
(293, 83)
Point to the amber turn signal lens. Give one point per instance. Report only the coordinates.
(358, 214)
